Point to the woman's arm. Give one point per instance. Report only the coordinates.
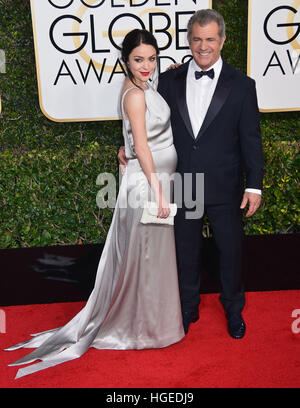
(135, 109)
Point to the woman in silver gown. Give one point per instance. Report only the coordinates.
(135, 302)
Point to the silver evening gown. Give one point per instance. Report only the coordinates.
(135, 302)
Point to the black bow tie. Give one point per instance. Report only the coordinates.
(200, 74)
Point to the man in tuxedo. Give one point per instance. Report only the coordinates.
(215, 123)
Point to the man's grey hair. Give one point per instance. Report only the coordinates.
(204, 17)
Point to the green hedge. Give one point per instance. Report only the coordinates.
(49, 197)
(48, 170)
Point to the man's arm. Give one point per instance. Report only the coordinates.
(251, 149)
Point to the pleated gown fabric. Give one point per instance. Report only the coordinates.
(135, 302)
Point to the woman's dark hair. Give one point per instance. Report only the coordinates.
(132, 40)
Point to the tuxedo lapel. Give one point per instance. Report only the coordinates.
(220, 95)
(180, 84)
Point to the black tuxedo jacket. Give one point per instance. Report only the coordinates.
(228, 146)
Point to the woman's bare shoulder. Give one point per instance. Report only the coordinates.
(133, 93)
(134, 100)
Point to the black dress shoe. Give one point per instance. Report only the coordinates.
(188, 318)
(236, 327)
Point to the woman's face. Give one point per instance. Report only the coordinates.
(142, 62)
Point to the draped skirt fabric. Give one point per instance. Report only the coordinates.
(135, 301)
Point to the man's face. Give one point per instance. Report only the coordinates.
(206, 44)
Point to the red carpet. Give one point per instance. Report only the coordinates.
(267, 357)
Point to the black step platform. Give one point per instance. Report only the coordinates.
(67, 273)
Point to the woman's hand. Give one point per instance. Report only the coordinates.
(163, 207)
(173, 66)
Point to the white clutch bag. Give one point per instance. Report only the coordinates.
(150, 211)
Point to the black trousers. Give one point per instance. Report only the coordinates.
(227, 227)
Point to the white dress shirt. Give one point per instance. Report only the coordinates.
(199, 93)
